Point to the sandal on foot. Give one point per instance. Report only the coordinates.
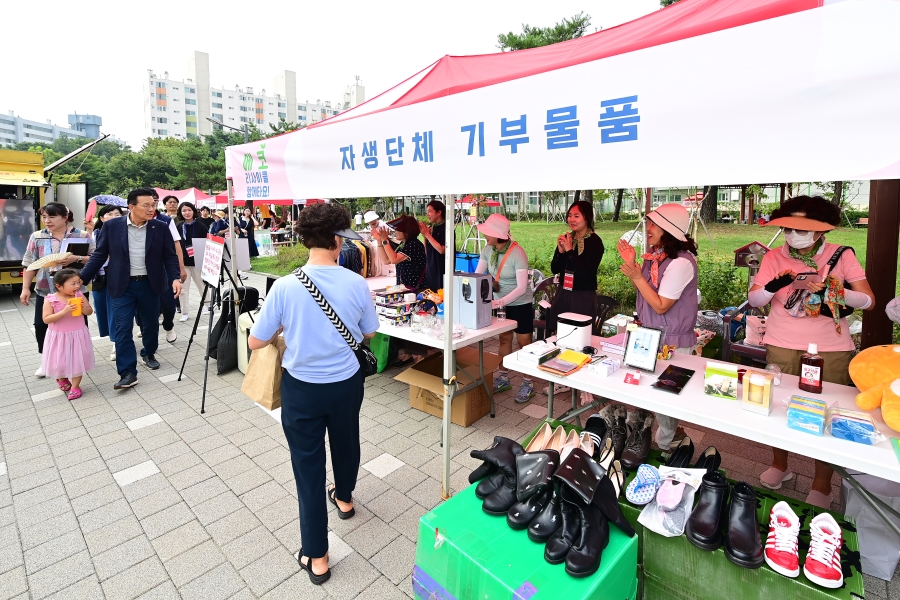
(341, 514)
(316, 579)
(74, 394)
(64, 384)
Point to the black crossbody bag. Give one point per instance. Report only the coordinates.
(368, 364)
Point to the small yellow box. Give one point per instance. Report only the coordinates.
(756, 395)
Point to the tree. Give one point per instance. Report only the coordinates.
(618, 208)
(834, 191)
(284, 126)
(665, 3)
(534, 37)
(709, 210)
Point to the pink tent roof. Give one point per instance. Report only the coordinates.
(688, 18)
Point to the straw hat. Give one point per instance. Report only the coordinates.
(672, 218)
(221, 213)
(799, 220)
(496, 225)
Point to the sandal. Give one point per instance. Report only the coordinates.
(341, 514)
(316, 579)
(64, 384)
(74, 394)
(402, 363)
(642, 488)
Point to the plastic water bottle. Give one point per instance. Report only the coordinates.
(501, 313)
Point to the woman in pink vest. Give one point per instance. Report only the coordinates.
(666, 286)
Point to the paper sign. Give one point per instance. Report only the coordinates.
(212, 259)
(633, 377)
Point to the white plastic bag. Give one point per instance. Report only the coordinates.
(670, 523)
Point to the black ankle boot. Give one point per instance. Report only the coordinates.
(583, 558)
(548, 520)
(502, 458)
(481, 472)
(742, 542)
(521, 514)
(640, 436)
(704, 527)
(607, 502)
(489, 485)
(561, 541)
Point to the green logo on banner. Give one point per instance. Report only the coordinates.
(248, 161)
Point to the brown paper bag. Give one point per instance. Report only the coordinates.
(262, 383)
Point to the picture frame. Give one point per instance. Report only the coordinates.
(642, 347)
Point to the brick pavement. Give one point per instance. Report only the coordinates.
(135, 494)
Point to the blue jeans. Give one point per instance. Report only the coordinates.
(103, 308)
(138, 299)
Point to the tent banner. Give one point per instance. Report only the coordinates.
(810, 96)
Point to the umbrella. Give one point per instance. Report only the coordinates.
(109, 199)
(49, 260)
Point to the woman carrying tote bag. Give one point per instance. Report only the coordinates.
(322, 385)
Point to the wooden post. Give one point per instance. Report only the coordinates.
(781, 199)
(743, 202)
(881, 258)
(750, 207)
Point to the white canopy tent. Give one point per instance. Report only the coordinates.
(712, 91)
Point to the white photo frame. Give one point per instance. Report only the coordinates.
(642, 348)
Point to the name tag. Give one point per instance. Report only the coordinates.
(569, 281)
(190, 251)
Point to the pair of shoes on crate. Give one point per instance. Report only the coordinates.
(631, 433)
(823, 560)
(566, 503)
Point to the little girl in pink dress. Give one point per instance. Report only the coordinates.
(68, 352)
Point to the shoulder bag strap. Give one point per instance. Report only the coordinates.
(326, 308)
(836, 256)
(503, 262)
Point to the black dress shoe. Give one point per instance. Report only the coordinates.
(709, 460)
(637, 447)
(548, 520)
(128, 380)
(151, 362)
(742, 543)
(704, 527)
(682, 454)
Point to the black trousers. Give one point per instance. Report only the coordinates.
(40, 328)
(308, 410)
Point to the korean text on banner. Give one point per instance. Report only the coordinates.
(212, 259)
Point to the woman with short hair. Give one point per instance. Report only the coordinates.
(408, 254)
(322, 386)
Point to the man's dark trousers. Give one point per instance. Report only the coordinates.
(138, 299)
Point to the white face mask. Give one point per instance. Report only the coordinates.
(800, 241)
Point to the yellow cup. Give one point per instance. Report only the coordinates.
(76, 306)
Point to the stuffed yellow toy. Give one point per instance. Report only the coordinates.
(876, 372)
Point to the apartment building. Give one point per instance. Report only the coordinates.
(182, 108)
(15, 129)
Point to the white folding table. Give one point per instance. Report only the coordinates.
(497, 326)
(727, 416)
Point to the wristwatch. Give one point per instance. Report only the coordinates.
(385, 243)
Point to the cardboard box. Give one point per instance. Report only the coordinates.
(480, 556)
(426, 389)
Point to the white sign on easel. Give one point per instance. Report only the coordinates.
(212, 259)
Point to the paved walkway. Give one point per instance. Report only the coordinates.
(136, 494)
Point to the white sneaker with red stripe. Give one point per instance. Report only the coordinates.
(823, 561)
(781, 543)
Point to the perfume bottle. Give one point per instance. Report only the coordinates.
(811, 370)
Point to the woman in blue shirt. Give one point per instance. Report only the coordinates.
(322, 387)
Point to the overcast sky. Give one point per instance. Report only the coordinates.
(92, 56)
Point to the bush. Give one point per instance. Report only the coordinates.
(721, 283)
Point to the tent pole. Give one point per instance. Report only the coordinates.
(449, 366)
(232, 255)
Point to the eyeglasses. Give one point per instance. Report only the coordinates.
(146, 206)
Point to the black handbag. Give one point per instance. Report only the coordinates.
(368, 364)
(99, 283)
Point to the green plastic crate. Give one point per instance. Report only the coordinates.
(482, 557)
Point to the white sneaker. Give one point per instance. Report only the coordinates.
(112, 355)
(184, 318)
(559, 389)
(205, 310)
(171, 336)
(39, 372)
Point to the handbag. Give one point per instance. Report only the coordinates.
(367, 361)
(99, 283)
